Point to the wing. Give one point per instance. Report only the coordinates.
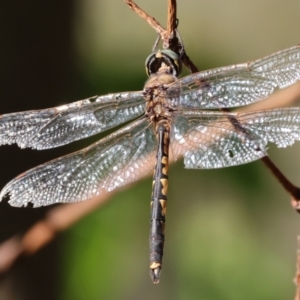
(122, 157)
(210, 140)
(237, 85)
(53, 127)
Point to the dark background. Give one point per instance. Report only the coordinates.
(231, 233)
(37, 70)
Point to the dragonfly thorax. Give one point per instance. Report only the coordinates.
(158, 105)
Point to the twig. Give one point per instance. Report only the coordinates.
(292, 95)
(164, 34)
(290, 188)
(168, 36)
(172, 17)
(189, 64)
(297, 277)
(150, 20)
(44, 231)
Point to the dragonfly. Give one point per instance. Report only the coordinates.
(169, 117)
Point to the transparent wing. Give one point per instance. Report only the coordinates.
(237, 85)
(210, 140)
(118, 159)
(53, 127)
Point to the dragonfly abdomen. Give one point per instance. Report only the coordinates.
(159, 200)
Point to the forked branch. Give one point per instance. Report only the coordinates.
(168, 37)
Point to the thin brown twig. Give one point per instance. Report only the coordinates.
(150, 20)
(297, 277)
(290, 188)
(45, 230)
(172, 17)
(164, 34)
(292, 94)
(189, 64)
(168, 36)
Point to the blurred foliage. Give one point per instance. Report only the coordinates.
(230, 233)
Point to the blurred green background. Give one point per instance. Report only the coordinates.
(230, 233)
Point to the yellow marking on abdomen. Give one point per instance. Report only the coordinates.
(155, 265)
(165, 169)
(163, 204)
(164, 183)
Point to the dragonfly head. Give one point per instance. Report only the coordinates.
(163, 61)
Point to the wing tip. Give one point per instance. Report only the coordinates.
(13, 201)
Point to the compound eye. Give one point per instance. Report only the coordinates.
(148, 63)
(167, 57)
